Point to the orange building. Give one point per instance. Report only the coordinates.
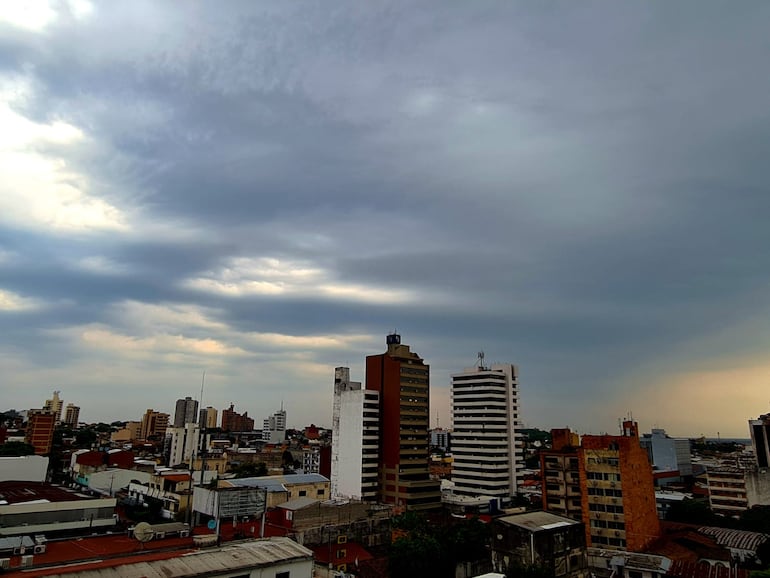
(618, 494)
(39, 433)
(560, 474)
(403, 380)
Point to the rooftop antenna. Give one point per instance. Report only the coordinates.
(481, 360)
(437, 422)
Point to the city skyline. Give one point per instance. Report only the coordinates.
(264, 191)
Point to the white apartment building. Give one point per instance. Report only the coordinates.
(485, 446)
(355, 438)
(274, 427)
(184, 442)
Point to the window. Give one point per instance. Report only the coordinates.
(302, 493)
(341, 553)
(320, 492)
(282, 575)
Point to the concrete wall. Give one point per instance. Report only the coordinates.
(23, 468)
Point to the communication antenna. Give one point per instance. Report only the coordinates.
(481, 359)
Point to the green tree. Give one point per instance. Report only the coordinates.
(250, 470)
(16, 449)
(416, 555)
(85, 438)
(528, 571)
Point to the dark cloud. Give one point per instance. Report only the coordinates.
(579, 189)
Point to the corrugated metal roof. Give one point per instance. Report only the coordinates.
(246, 555)
(736, 539)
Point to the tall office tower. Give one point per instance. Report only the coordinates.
(485, 420)
(560, 472)
(208, 418)
(355, 438)
(186, 411)
(184, 442)
(618, 492)
(274, 427)
(154, 423)
(54, 405)
(71, 415)
(39, 432)
(760, 439)
(668, 454)
(403, 380)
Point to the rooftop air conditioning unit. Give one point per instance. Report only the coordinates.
(39, 549)
(5, 563)
(184, 533)
(26, 561)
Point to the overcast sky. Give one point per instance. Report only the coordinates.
(264, 190)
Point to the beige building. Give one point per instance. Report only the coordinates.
(128, 434)
(154, 423)
(281, 489)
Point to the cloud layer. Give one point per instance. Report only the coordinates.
(263, 191)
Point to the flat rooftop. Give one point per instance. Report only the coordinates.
(13, 492)
(538, 521)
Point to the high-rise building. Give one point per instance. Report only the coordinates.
(184, 442)
(186, 411)
(154, 423)
(274, 427)
(403, 379)
(208, 418)
(760, 439)
(618, 492)
(560, 475)
(54, 405)
(235, 422)
(355, 438)
(39, 432)
(71, 415)
(668, 454)
(485, 419)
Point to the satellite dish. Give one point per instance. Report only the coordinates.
(144, 532)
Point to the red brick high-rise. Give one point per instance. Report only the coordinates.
(39, 433)
(402, 380)
(618, 492)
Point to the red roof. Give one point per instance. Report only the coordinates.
(347, 553)
(20, 492)
(177, 477)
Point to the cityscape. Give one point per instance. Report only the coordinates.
(364, 497)
(384, 289)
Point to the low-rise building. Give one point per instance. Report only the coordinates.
(281, 489)
(541, 539)
(23, 468)
(41, 508)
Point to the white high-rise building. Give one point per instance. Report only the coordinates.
(274, 427)
(485, 445)
(355, 438)
(184, 442)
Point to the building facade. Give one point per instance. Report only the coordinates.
(485, 416)
(185, 412)
(560, 475)
(235, 422)
(54, 405)
(274, 428)
(355, 438)
(208, 418)
(668, 454)
(72, 415)
(154, 424)
(39, 432)
(184, 443)
(618, 493)
(539, 540)
(402, 380)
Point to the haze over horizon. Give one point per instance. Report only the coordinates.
(264, 190)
